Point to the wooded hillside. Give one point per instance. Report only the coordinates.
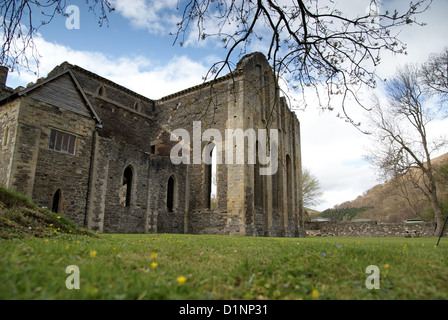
(392, 202)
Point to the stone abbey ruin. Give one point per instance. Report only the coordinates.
(98, 152)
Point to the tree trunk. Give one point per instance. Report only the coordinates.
(438, 216)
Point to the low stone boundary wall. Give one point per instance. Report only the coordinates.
(370, 229)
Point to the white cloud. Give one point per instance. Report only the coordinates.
(154, 16)
(333, 151)
(136, 73)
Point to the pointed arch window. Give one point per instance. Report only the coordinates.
(210, 176)
(101, 91)
(171, 194)
(56, 203)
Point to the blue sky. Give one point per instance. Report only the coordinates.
(136, 51)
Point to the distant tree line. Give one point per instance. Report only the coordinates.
(343, 214)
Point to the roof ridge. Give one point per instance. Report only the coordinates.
(232, 74)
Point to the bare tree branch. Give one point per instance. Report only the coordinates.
(310, 44)
(22, 19)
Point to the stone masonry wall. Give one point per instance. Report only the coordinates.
(109, 168)
(134, 136)
(39, 172)
(370, 229)
(248, 100)
(123, 141)
(273, 202)
(180, 111)
(161, 220)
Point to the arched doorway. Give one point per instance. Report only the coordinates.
(55, 206)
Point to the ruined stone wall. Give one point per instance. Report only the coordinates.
(109, 171)
(161, 220)
(179, 111)
(123, 141)
(370, 229)
(273, 202)
(133, 144)
(254, 204)
(207, 222)
(130, 137)
(126, 116)
(39, 172)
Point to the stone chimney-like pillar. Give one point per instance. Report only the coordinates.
(3, 76)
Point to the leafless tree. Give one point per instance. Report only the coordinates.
(434, 74)
(402, 147)
(22, 19)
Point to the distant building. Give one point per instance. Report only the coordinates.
(413, 221)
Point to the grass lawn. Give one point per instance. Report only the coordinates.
(193, 267)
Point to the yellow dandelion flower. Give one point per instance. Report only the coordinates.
(46, 240)
(67, 247)
(58, 217)
(181, 280)
(92, 254)
(154, 265)
(113, 249)
(78, 242)
(153, 255)
(315, 294)
(51, 224)
(405, 246)
(387, 266)
(37, 228)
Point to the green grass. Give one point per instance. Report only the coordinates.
(37, 246)
(222, 267)
(21, 218)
